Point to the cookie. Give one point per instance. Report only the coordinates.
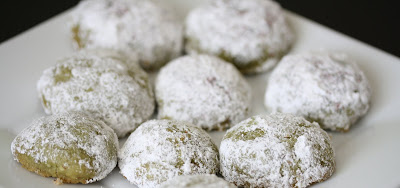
(70, 147)
(251, 34)
(328, 88)
(162, 149)
(278, 150)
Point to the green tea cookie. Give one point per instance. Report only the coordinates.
(71, 147)
(131, 26)
(161, 149)
(197, 181)
(324, 87)
(203, 90)
(251, 34)
(278, 150)
(101, 85)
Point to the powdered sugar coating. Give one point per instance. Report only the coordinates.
(102, 87)
(197, 181)
(278, 150)
(132, 26)
(130, 60)
(252, 34)
(162, 149)
(63, 135)
(325, 87)
(203, 90)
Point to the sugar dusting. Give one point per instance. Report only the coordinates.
(49, 137)
(246, 30)
(132, 26)
(100, 86)
(203, 90)
(279, 150)
(162, 149)
(197, 181)
(326, 87)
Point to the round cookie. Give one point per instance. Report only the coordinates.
(161, 149)
(251, 34)
(203, 90)
(131, 26)
(71, 147)
(324, 87)
(197, 181)
(101, 86)
(278, 150)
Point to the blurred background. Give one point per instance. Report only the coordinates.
(374, 22)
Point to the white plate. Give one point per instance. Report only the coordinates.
(367, 156)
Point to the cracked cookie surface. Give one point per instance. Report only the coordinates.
(71, 147)
(101, 84)
(162, 149)
(278, 150)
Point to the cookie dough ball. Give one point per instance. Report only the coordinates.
(324, 87)
(71, 147)
(197, 181)
(278, 150)
(251, 34)
(203, 90)
(101, 86)
(132, 26)
(162, 149)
